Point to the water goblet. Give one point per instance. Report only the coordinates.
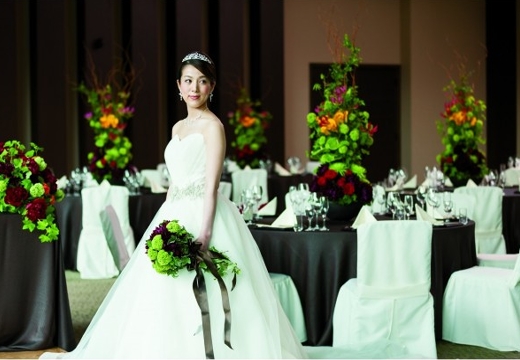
(433, 200)
(247, 205)
(257, 192)
(421, 195)
(324, 209)
(448, 205)
(408, 206)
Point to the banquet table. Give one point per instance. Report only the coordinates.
(510, 222)
(34, 303)
(320, 262)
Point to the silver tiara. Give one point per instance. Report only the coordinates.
(196, 56)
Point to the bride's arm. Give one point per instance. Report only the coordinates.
(215, 141)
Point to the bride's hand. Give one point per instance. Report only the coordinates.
(203, 243)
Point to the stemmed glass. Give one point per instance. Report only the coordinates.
(324, 201)
(408, 205)
(448, 205)
(433, 200)
(391, 202)
(381, 200)
(421, 195)
(247, 204)
(257, 192)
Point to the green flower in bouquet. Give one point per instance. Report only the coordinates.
(341, 133)
(249, 123)
(29, 187)
(461, 132)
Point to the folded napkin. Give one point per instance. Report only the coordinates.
(280, 170)
(62, 182)
(268, 209)
(423, 215)
(364, 216)
(157, 188)
(285, 219)
(411, 184)
(471, 183)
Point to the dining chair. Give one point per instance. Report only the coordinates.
(245, 178)
(505, 261)
(94, 258)
(290, 302)
(481, 307)
(225, 188)
(487, 214)
(512, 176)
(389, 301)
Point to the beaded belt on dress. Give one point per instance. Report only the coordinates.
(191, 191)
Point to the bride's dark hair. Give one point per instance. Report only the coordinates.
(202, 62)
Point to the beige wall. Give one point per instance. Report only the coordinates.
(422, 36)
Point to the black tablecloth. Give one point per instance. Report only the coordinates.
(510, 219)
(34, 304)
(320, 262)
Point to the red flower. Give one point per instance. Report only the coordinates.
(15, 196)
(330, 174)
(349, 189)
(322, 181)
(36, 209)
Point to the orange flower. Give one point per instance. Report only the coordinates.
(340, 116)
(459, 117)
(109, 121)
(247, 121)
(473, 121)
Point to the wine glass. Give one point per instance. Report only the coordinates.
(421, 195)
(433, 200)
(381, 200)
(257, 192)
(408, 206)
(448, 205)
(324, 201)
(247, 205)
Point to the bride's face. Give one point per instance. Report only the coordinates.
(194, 86)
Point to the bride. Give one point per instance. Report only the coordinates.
(152, 315)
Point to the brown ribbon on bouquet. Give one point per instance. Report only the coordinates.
(199, 289)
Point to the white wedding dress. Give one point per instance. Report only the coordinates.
(150, 315)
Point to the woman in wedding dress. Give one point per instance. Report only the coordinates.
(151, 315)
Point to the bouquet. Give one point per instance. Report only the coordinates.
(341, 134)
(461, 134)
(171, 249)
(28, 187)
(249, 123)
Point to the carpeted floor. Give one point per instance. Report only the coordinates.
(85, 296)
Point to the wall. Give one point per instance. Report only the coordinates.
(401, 32)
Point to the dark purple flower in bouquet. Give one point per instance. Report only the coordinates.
(6, 169)
(36, 209)
(16, 196)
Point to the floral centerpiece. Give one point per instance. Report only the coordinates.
(341, 134)
(28, 187)
(171, 248)
(108, 118)
(461, 133)
(249, 123)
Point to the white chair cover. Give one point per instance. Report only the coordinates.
(487, 215)
(114, 235)
(511, 176)
(481, 307)
(290, 301)
(389, 302)
(151, 176)
(244, 179)
(95, 260)
(224, 188)
(505, 261)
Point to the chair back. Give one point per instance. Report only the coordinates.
(225, 189)
(511, 176)
(487, 215)
(394, 258)
(461, 200)
(244, 179)
(114, 236)
(515, 276)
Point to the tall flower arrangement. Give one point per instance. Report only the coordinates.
(28, 187)
(341, 133)
(461, 129)
(249, 124)
(108, 117)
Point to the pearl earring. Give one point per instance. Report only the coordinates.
(210, 97)
(180, 96)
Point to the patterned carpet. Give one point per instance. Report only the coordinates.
(85, 297)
